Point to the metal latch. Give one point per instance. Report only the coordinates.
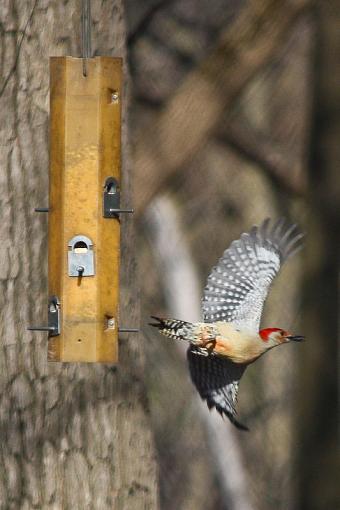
(54, 316)
(80, 256)
(111, 199)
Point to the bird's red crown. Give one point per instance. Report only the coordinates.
(264, 333)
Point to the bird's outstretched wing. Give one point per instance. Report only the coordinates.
(238, 286)
(216, 380)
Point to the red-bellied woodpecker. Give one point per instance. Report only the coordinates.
(229, 339)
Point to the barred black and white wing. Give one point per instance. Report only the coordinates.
(238, 286)
(216, 379)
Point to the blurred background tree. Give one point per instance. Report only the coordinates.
(235, 117)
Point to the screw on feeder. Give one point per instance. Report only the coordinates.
(114, 96)
(111, 323)
(41, 209)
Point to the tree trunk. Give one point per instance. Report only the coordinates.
(169, 245)
(319, 442)
(72, 436)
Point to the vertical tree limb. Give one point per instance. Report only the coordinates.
(182, 293)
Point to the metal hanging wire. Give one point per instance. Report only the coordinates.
(86, 33)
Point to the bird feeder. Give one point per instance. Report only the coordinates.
(84, 206)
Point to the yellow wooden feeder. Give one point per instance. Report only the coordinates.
(84, 206)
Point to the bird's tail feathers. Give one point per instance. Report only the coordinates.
(238, 425)
(231, 417)
(172, 328)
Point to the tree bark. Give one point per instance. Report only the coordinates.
(72, 436)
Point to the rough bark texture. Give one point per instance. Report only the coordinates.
(72, 436)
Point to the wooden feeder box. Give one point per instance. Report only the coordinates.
(84, 209)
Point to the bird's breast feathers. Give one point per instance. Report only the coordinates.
(223, 339)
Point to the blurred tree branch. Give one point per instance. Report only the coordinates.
(145, 21)
(170, 245)
(262, 151)
(192, 113)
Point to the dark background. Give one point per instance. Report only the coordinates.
(235, 117)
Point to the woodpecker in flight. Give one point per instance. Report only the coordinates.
(229, 339)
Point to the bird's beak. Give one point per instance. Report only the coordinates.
(295, 338)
